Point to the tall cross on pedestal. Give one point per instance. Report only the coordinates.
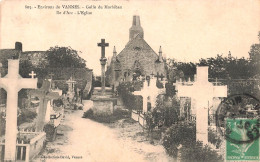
(202, 91)
(13, 83)
(44, 94)
(103, 61)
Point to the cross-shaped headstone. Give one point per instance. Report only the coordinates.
(157, 76)
(103, 45)
(13, 83)
(152, 75)
(32, 74)
(202, 91)
(145, 92)
(149, 90)
(155, 91)
(44, 94)
(162, 76)
(51, 75)
(71, 83)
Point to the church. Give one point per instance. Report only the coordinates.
(136, 59)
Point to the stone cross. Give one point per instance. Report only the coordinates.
(32, 74)
(103, 61)
(202, 91)
(145, 92)
(51, 75)
(103, 45)
(13, 83)
(155, 91)
(151, 91)
(44, 94)
(71, 83)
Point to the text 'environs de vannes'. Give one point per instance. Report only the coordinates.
(74, 7)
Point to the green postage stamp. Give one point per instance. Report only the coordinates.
(242, 139)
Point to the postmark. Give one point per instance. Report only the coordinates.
(240, 106)
(238, 120)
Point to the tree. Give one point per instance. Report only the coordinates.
(254, 54)
(25, 67)
(61, 57)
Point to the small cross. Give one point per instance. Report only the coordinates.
(162, 76)
(103, 45)
(32, 74)
(152, 75)
(51, 75)
(157, 76)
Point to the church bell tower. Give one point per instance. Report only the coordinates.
(136, 28)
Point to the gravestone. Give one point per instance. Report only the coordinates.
(202, 91)
(71, 86)
(155, 91)
(44, 94)
(13, 83)
(150, 91)
(145, 92)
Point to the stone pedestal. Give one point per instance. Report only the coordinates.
(103, 103)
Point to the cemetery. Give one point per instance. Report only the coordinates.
(145, 105)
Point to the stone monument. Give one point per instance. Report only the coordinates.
(103, 98)
(44, 94)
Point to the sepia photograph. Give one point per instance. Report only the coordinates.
(129, 81)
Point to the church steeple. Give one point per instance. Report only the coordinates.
(136, 28)
(160, 54)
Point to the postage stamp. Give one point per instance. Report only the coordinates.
(238, 121)
(246, 131)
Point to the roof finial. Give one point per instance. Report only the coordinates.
(229, 54)
(114, 51)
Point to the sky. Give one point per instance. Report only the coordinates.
(186, 30)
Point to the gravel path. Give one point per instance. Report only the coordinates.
(84, 140)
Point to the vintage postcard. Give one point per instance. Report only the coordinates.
(129, 80)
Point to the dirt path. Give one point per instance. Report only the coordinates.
(88, 141)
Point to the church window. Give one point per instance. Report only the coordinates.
(137, 48)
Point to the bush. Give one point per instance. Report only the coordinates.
(26, 116)
(164, 113)
(214, 138)
(185, 134)
(50, 131)
(88, 114)
(182, 133)
(130, 101)
(117, 115)
(199, 153)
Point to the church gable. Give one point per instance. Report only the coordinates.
(137, 58)
(138, 49)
